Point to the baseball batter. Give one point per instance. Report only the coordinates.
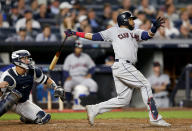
(16, 84)
(124, 41)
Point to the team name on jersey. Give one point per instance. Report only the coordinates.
(127, 35)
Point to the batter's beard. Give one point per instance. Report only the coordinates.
(130, 27)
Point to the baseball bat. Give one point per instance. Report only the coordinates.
(56, 57)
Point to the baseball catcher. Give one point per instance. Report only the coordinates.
(16, 84)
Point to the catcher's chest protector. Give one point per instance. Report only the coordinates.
(24, 83)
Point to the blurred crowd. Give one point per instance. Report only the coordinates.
(46, 20)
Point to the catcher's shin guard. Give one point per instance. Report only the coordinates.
(153, 108)
(8, 101)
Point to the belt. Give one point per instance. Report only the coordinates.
(117, 60)
(161, 97)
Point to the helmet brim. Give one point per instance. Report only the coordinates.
(134, 17)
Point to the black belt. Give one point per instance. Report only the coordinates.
(161, 97)
(117, 60)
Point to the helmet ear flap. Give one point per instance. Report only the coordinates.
(126, 22)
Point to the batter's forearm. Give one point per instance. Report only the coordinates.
(84, 35)
(90, 36)
(148, 35)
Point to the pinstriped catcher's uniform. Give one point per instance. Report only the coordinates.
(24, 84)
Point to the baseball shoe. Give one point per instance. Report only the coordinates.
(161, 122)
(90, 114)
(26, 121)
(45, 119)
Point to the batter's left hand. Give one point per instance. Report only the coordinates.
(69, 32)
(158, 22)
(59, 92)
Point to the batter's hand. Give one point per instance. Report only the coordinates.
(69, 32)
(59, 92)
(158, 22)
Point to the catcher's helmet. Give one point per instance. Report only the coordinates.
(16, 59)
(122, 19)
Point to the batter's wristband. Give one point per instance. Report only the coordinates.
(80, 34)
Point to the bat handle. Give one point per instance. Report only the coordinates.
(56, 57)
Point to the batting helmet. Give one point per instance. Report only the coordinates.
(122, 19)
(78, 44)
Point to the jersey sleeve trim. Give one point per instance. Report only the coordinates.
(107, 34)
(101, 35)
(145, 35)
(97, 37)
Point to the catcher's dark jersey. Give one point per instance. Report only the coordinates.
(23, 83)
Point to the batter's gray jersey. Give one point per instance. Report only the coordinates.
(126, 76)
(78, 66)
(124, 42)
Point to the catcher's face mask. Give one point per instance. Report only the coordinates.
(22, 59)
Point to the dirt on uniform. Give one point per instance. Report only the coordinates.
(100, 125)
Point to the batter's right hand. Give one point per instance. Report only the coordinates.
(69, 32)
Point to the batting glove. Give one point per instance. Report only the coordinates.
(69, 32)
(157, 23)
(59, 92)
